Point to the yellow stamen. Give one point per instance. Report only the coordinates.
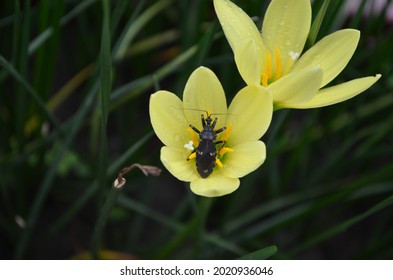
(219, 163)
(268, 65)
(264, 78)
(224, 150)
(192, 156)
(278, 64)
(267, 76)
(226, 132)
(194, 138)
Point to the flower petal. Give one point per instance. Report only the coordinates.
(204, 92)
(175, 160)
(214, 185)
(167, 118)
(245, 158)
(250, 113)
(237, 25)
(332, 53)
(286, 26)
(296, 87)
(248, 61)
(339, 93)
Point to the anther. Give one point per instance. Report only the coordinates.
(267, 75)
(192, 156)
(268, 65)
(189, 145)
(264, 79)
(219, 163)
(194, 138)
(226, 133)
(225, 150)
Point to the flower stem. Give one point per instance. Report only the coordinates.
(203, 209)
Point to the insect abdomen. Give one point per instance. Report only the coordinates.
(206, 158)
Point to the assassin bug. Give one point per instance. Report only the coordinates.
(206, 152)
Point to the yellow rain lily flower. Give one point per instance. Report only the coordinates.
(274, 57)
(188, 128)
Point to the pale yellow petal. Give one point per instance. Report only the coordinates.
(244, 159)
(339, 93)
(214, 185)
(296, 87)
(248, 60)
(175, 161)
(167, 118)
(286, 26)
(250, 114)
(237, 25)
(332, 53)
(204, 92)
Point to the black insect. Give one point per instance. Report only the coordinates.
(206, 152)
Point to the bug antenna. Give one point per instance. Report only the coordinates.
(208, 113)
(191, 109)
(197, 110)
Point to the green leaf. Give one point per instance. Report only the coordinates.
(134, 26)
(47, 33)
(344, 226)
(12, 71)
(312, 36)
(105, 62)
(261, 254)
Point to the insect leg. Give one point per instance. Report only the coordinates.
(222, 150)
(214, 122)
(219, 130)
(221, 141)
(194, 128)
(203, 120)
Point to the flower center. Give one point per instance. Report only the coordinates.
(193, 145)
(267, 76)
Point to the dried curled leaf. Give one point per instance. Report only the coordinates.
(146, 169)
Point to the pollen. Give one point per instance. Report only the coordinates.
(189, 145)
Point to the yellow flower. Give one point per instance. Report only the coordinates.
(273, 59)
(238, 130)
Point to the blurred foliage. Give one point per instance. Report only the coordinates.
(75, 80)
